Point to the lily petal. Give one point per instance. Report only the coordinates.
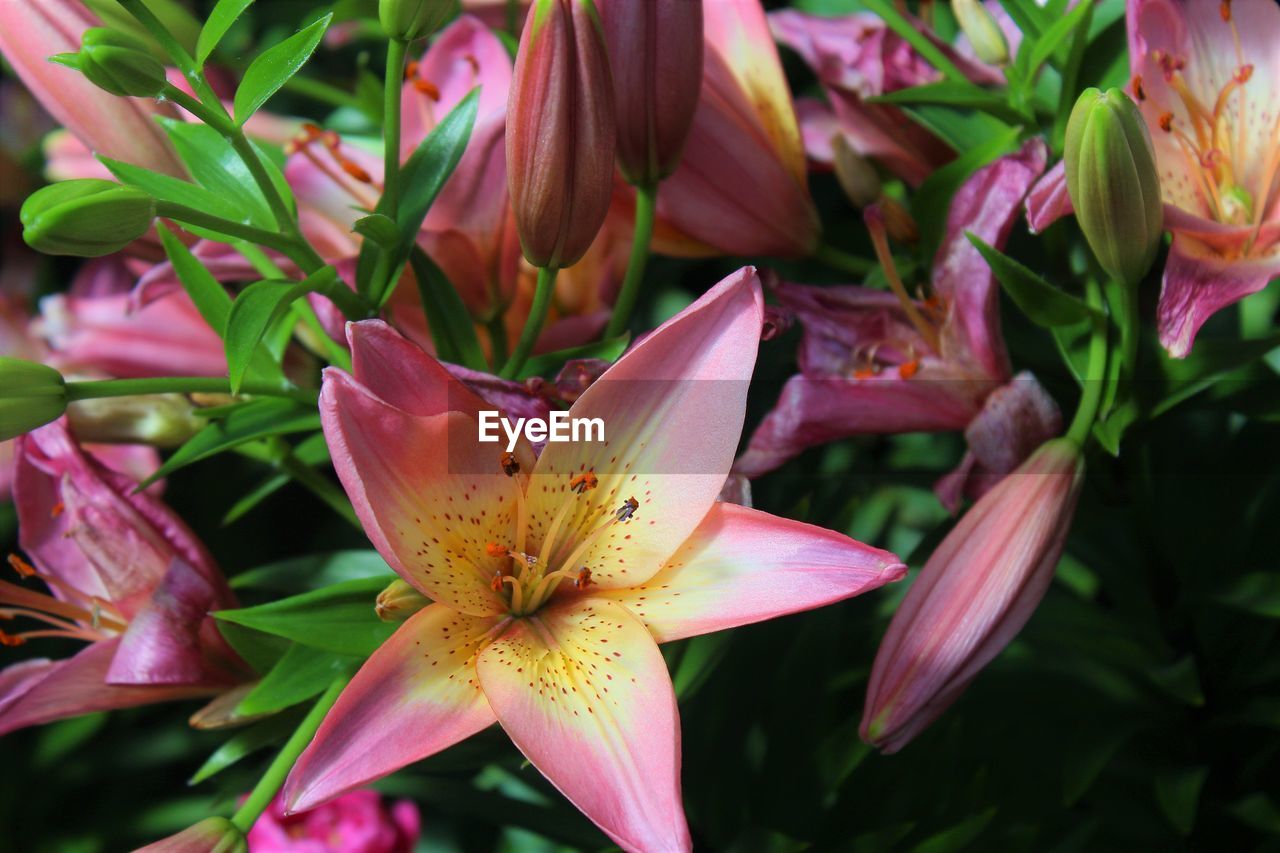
(416, 695)
(585, 695)
(1048, 200)
(742, 566)
(673, 409)
(401, 374)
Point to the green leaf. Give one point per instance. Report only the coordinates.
(1259, 812)
(932, 200)
(452, 330)
(961, 130)
(1180, 680)
(303, 672)
(927, 49)
(274, 66)
(1207, 362)
(255, 309)
(1085, 762)
(245, 743)
(210, 297)
(378, 228)
(216, 166)
(1044, 304)
(220, 20)
(954, 94)
(1257, 593)
(171, 189)
(315, 571)
(549, 363)
(253, 420)
(701, 655)
(1178, 793)
(338, 618)
(311, 451)
(957, 837)
(261, 651)
(1055, 35)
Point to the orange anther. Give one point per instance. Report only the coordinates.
(911, 368)
(864, 373)
(1243, 73)
(312, 131)
(410, 70)
(1224, 9)
(57, 509)
(10, 639)
(21, 566)
(584, 482)
(1139, 93)
(356, 171)
(510, 465)
(1166, 122)
(427, 88)
(493, 549)
(583, 580)
(496, 583)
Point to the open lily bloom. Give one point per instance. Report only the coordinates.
(123, 574)
(553, 581)
(1204, 78)
(874, 362)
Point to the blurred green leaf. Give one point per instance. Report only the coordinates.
(548, 364)
(316, 570)
(957, 837)
(269, 71)
(224, 14)
(1044, 304)
(171, 189)
(452, 329)
(303, 672)
(246, 742)
(338, 618)
(1178, 793)
(951, 93)
(1257, 593)
(216, 166)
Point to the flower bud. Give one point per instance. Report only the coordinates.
(406, 20)
(984, 33)
(855, 173)
(160, 420)
(561, 135)
(655, 52)
(1113, 183)
(87, 217)
(977, 590)
(398, 602)
(120, 65)
(31, 395)
(211, 835)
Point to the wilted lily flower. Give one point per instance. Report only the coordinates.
(873, 362)
(124, 574)
(553, 580)
(973, 596)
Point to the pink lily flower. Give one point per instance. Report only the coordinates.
(553, 581)
(857, 57)
(1204, 74)
(973, 596)
(211, 835)
(741, 188)
(872, 362)
(358, 822)
(122, 128)
(124, 574)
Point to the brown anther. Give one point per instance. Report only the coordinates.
(1139, 93)
(583, 580)
(628, 509)
(584, 482)
(1166, 122)
(1224, 9)
(493, 549)
(1243, 73)
(911, 368)
(496, 583)
(410, 69)
(10, 639)
(21, 566)
(426, 87)
(510, 465)
(356, 171)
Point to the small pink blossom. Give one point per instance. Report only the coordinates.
(358, 822)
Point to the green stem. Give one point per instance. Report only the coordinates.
(533, 325)
(392, 87)
(96, 389)
(498, 343)
(284, 217)
(184, 61)
(1096, 373)
(270, 783)
(251, 233)
(843, 261)
(646, 196)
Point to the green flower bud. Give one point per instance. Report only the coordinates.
(119, 64)
(984, 33)
(1113, 183)
(161, 420)
(398, 602)
(87, 218)
(31, 395)
(406, 20)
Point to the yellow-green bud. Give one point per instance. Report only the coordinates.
(31, 395)
(398, 602)
(984, 33)
(161, 420)
(1113, 183)
(87, 217)
(119, 64)
(855, 173)
(406, 20)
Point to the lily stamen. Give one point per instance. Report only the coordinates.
(880, 241)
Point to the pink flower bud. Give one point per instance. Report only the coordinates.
(973, 595)
(655, 49)
(561, 135)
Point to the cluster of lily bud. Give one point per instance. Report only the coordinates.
(117, 63)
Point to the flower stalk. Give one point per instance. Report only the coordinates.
(532, 326)
(646, 196)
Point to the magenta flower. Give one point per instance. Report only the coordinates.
(358, 822)
(973, 596)
(124, 574)
(1204, 75)
(857, 57)
(553, 580)
(871, 362)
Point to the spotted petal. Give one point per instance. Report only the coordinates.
(415, 696)
(585, 695)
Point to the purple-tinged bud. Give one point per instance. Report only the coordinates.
(973, 595)
(655, 51)
(561, 135)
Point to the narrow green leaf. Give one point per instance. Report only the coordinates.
(1257, 593)
(220, 20)
(380, 229)
(452, 329)
(216, 166)
(1178, 793)
(1044, 304)
(255, 419)
(169, 188)
(255, 737)
(927, 49)
(210, 297)
(1055, 35)
(338, 618)
(255, 309)
(274, 66)
(315, 571)
(311, 451)
(303, 672)
(957, 837)
(954, 94)
(932, 200)
(550, 362)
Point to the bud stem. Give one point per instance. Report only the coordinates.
(260, 797)
(1096, 377)
(843, 261)
(532, 326)
(391, 126)
(95, 389)
(646, 196)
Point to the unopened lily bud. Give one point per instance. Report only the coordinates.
(561, 134)
(211, 835)
(398, 602)
(984, 33)
(120, 65)
(406, 20)
(1113, 183)
(161, 420)
(31, 395)
(977, 590)
(855, 173)
(655, 52)
(86, 217)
